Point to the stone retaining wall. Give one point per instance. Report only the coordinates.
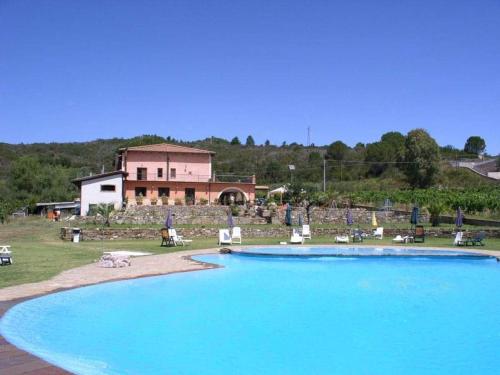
(253, 232)
(139, 215)
(205, 215)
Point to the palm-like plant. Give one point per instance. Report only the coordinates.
(104, 210)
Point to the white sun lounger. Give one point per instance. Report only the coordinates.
(306, 232)
(296, 238)
(225, 237)
(176, 239)
(236, 235)
(379, 233)
(342, 239)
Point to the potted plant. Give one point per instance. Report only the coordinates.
(203, 201)
(154, 200)
(164, 199)
(139, 199)
(178, 201)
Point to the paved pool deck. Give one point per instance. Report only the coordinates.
(14, 361)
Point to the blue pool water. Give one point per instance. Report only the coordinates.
(275, 315)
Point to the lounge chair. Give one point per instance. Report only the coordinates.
(296, 238)
(477, 240)
(225, 237)
(459, 240)
(165, 237)
(342, 239)
(306, 232)
(399, 239)
(236, 235)
(378, 233)
(357, 236)
(419, 235)
(5, 255)
(176, 239)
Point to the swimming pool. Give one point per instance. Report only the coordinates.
(275, 315)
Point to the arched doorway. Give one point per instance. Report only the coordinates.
(232, 196)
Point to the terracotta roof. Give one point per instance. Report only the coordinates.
(167, 147)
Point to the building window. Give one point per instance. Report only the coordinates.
(160, 172)
(142, 174)
(140, 191)
(173, 173)
(108, 187)
(164, 192)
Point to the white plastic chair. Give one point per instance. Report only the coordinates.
(379, 233)
(236, 235)
(306, 231)
(296, 237)
(225, 237)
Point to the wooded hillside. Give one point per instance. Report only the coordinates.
(37, 172)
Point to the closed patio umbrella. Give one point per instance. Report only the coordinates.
(414, 216)
(349, 219)
(230, 222)
(288, 215)
(169, 220)
(459, 220)
(374, 219)
(300, 220)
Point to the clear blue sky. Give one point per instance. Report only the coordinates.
(351, 70)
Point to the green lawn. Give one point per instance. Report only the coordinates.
(39, 254)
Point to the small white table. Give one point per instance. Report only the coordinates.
(4, 249)
(5, 254)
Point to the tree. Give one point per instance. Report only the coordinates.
(337, 150)
(235, 141)
(475, 145)
(422, 158)
(388, 150)
(267, 143)
(250, 141)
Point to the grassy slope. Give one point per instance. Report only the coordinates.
(39, 254)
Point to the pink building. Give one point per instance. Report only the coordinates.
(171, 174)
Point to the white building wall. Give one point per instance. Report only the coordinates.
(91, 192)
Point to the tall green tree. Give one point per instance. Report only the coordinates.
(422, 158)
(383, 154)
(250, 141)
(475, 145)
(235, 141)
(337, 150)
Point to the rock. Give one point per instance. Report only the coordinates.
(114, 261)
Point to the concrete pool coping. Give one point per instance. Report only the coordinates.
(16, 361)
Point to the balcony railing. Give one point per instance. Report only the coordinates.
(228, 178)
(178, 177)
(234, 178)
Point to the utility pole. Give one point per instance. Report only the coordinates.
(324, 174)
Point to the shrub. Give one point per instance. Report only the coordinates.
(203, 201)
(235, 210)
(178, 201)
